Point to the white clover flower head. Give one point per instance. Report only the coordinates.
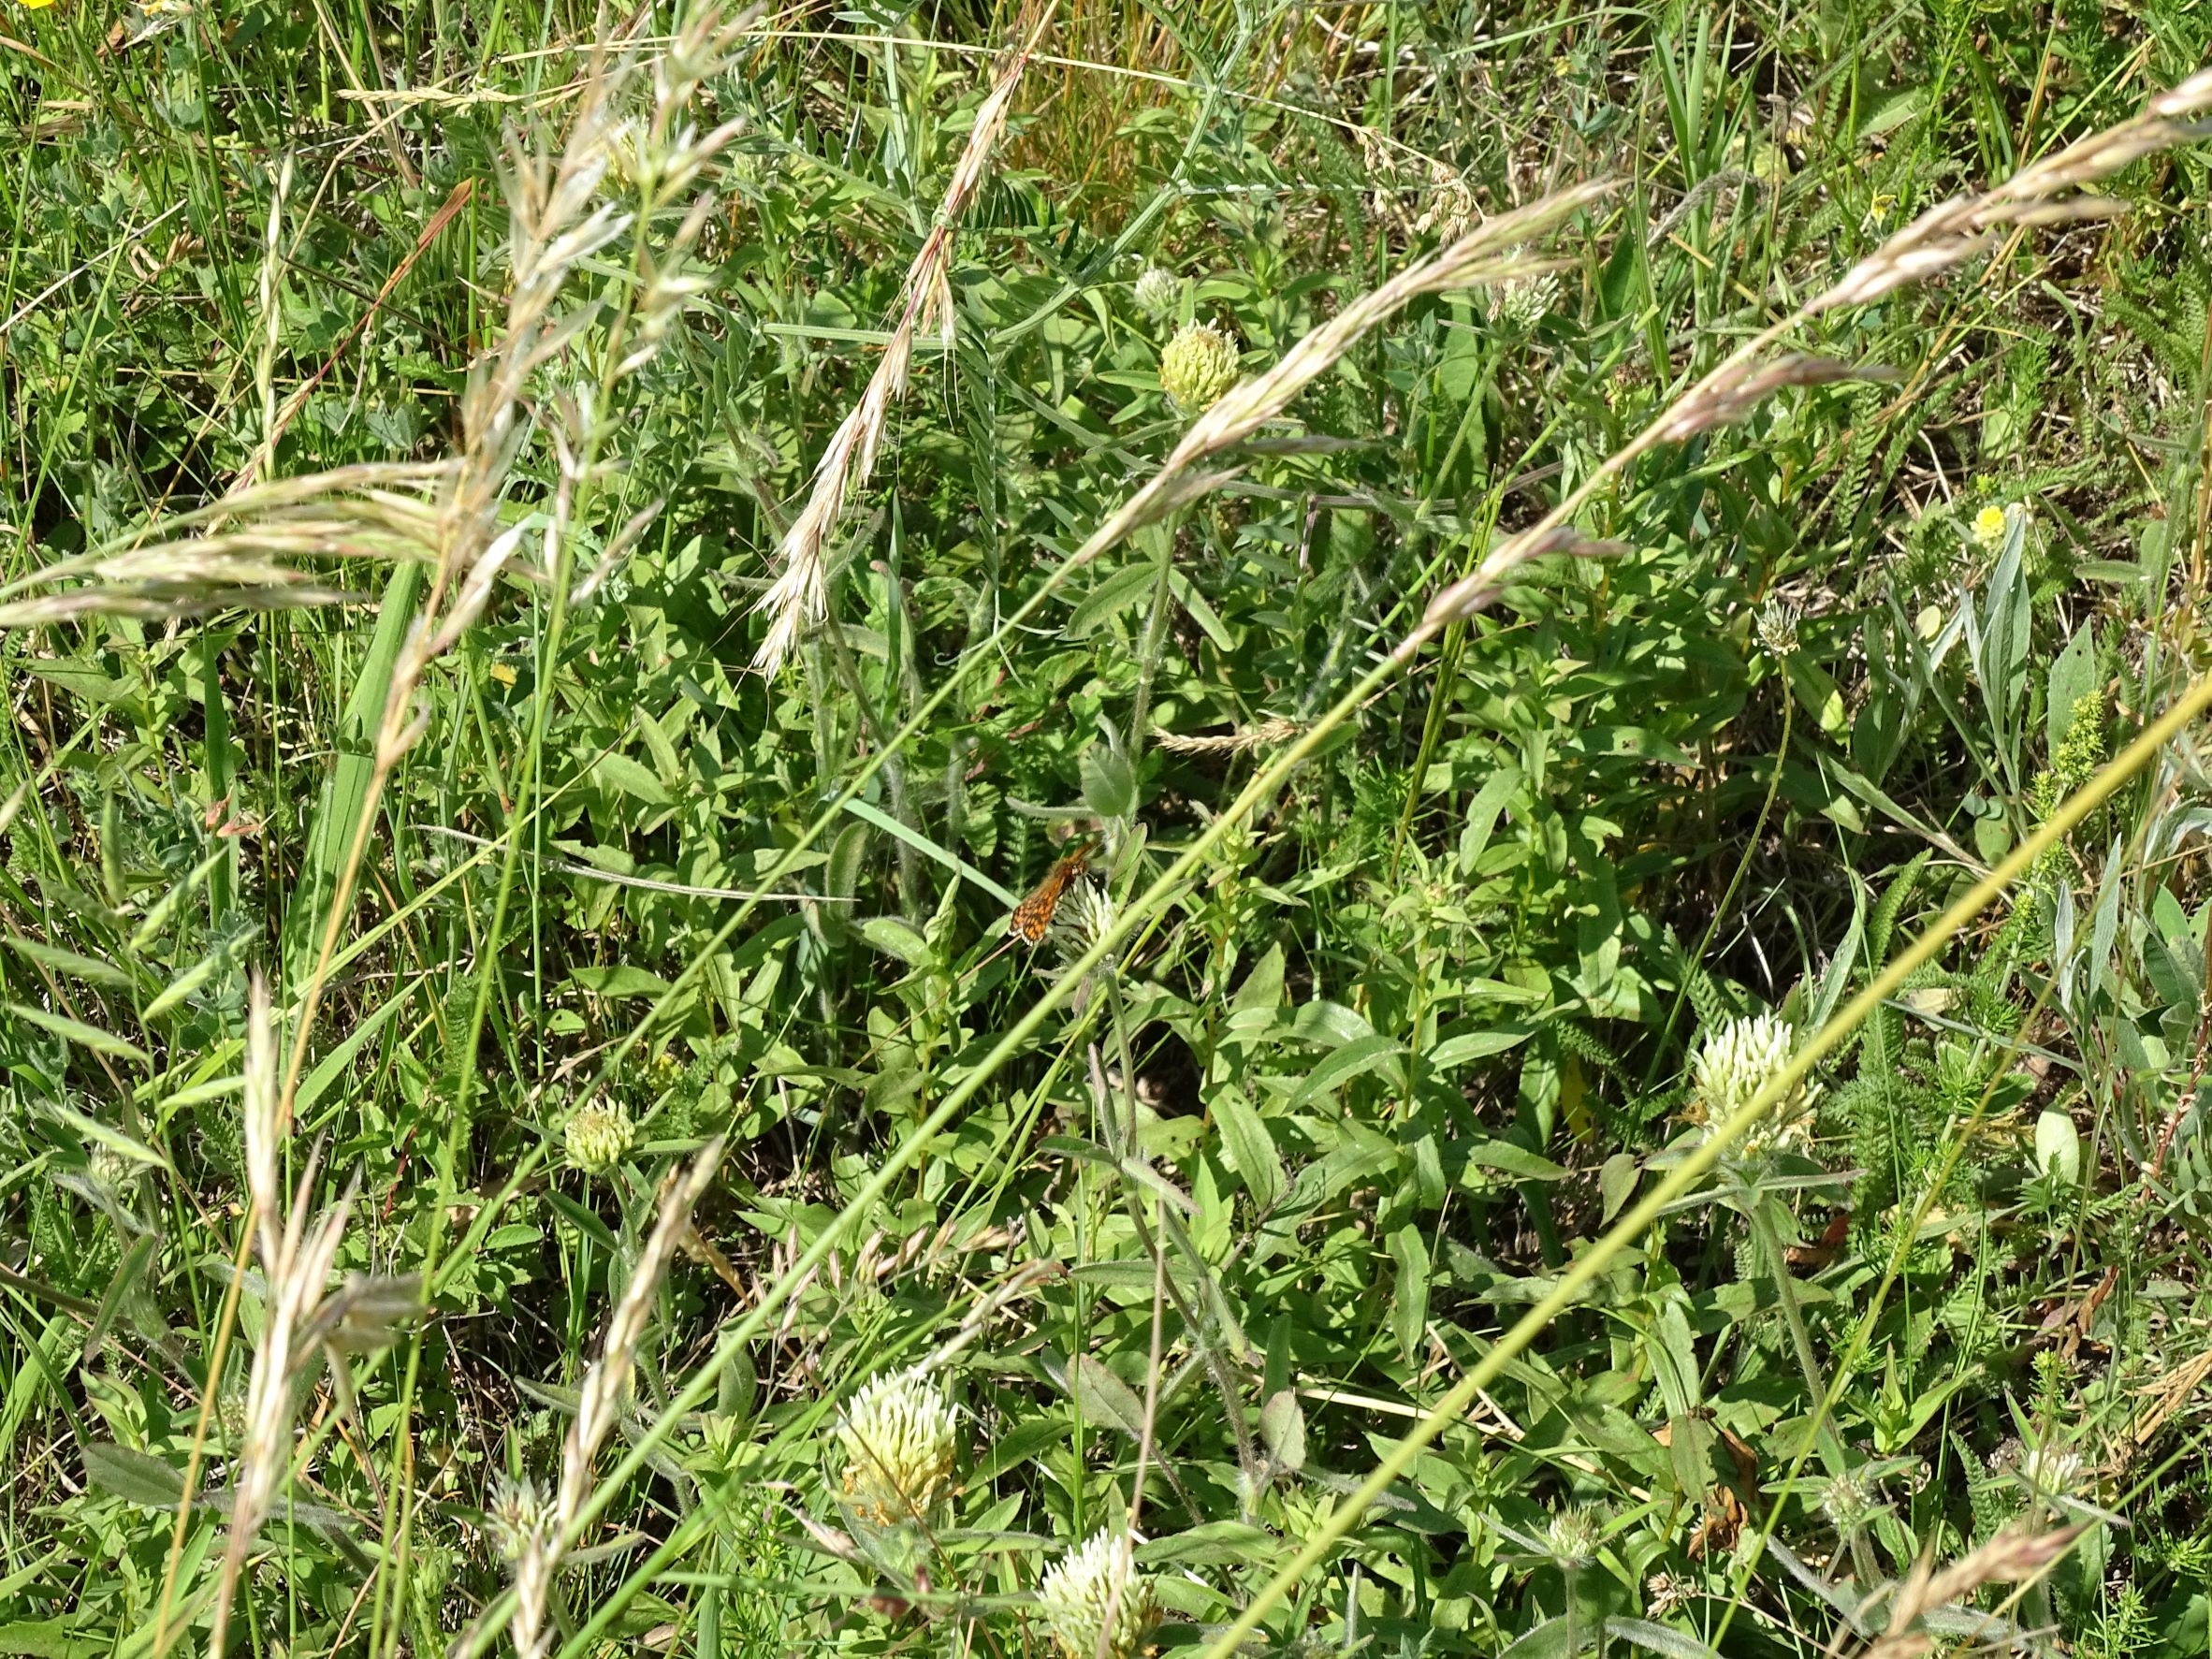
(1197, 365)
(900, 1435)
(598, 1136)
(1989, 527)
(1734, 1064)
(519, 1513)
(1095, 1600)
(1159, 293)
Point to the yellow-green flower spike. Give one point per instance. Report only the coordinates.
(1198, 365)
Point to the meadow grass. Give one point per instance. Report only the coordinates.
(1595, 616)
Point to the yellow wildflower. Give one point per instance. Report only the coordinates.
(1989, 524)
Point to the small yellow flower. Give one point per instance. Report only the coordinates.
(503, 673)
(33, 4)
(1989, 526)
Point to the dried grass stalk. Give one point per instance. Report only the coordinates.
(297, 1249)
(2006, 1558)
(2048, 192)
(599, 1403)
(797, 601)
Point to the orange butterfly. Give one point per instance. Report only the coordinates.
(1033, 916)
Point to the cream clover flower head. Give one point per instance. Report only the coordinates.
(1776, 628)
(1523, 302)
(899, 1436)
(1096, 1601)
(2053, 1471)
(1732, 1065)
(1198, 365)
(519, 1512)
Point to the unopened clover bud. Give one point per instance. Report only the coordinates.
(1571, 1536)
(1198, 365)
(598, 1138)
(899, 1436)
(1096, 1602)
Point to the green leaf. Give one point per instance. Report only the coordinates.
(1214, 1543)
(1109, 782)
(1475, 1045)
(82, 1034)
(51, 1638)
(1104, 1398)
(896, 937)
(1409, 1296)
(1250, 1148)
(1509, 1158)
(135, 1476)
(618, 979)
(1282, 1430)
(70, 964)
(1109, 597)
(1355, 1058)
(631, 777)
(1658, 1638)
(113, 1138)
(2073, 677)
(930, 850)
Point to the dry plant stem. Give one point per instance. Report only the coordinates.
(600, 1401)
(797, 601)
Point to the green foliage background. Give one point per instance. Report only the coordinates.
(1416, 1032)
